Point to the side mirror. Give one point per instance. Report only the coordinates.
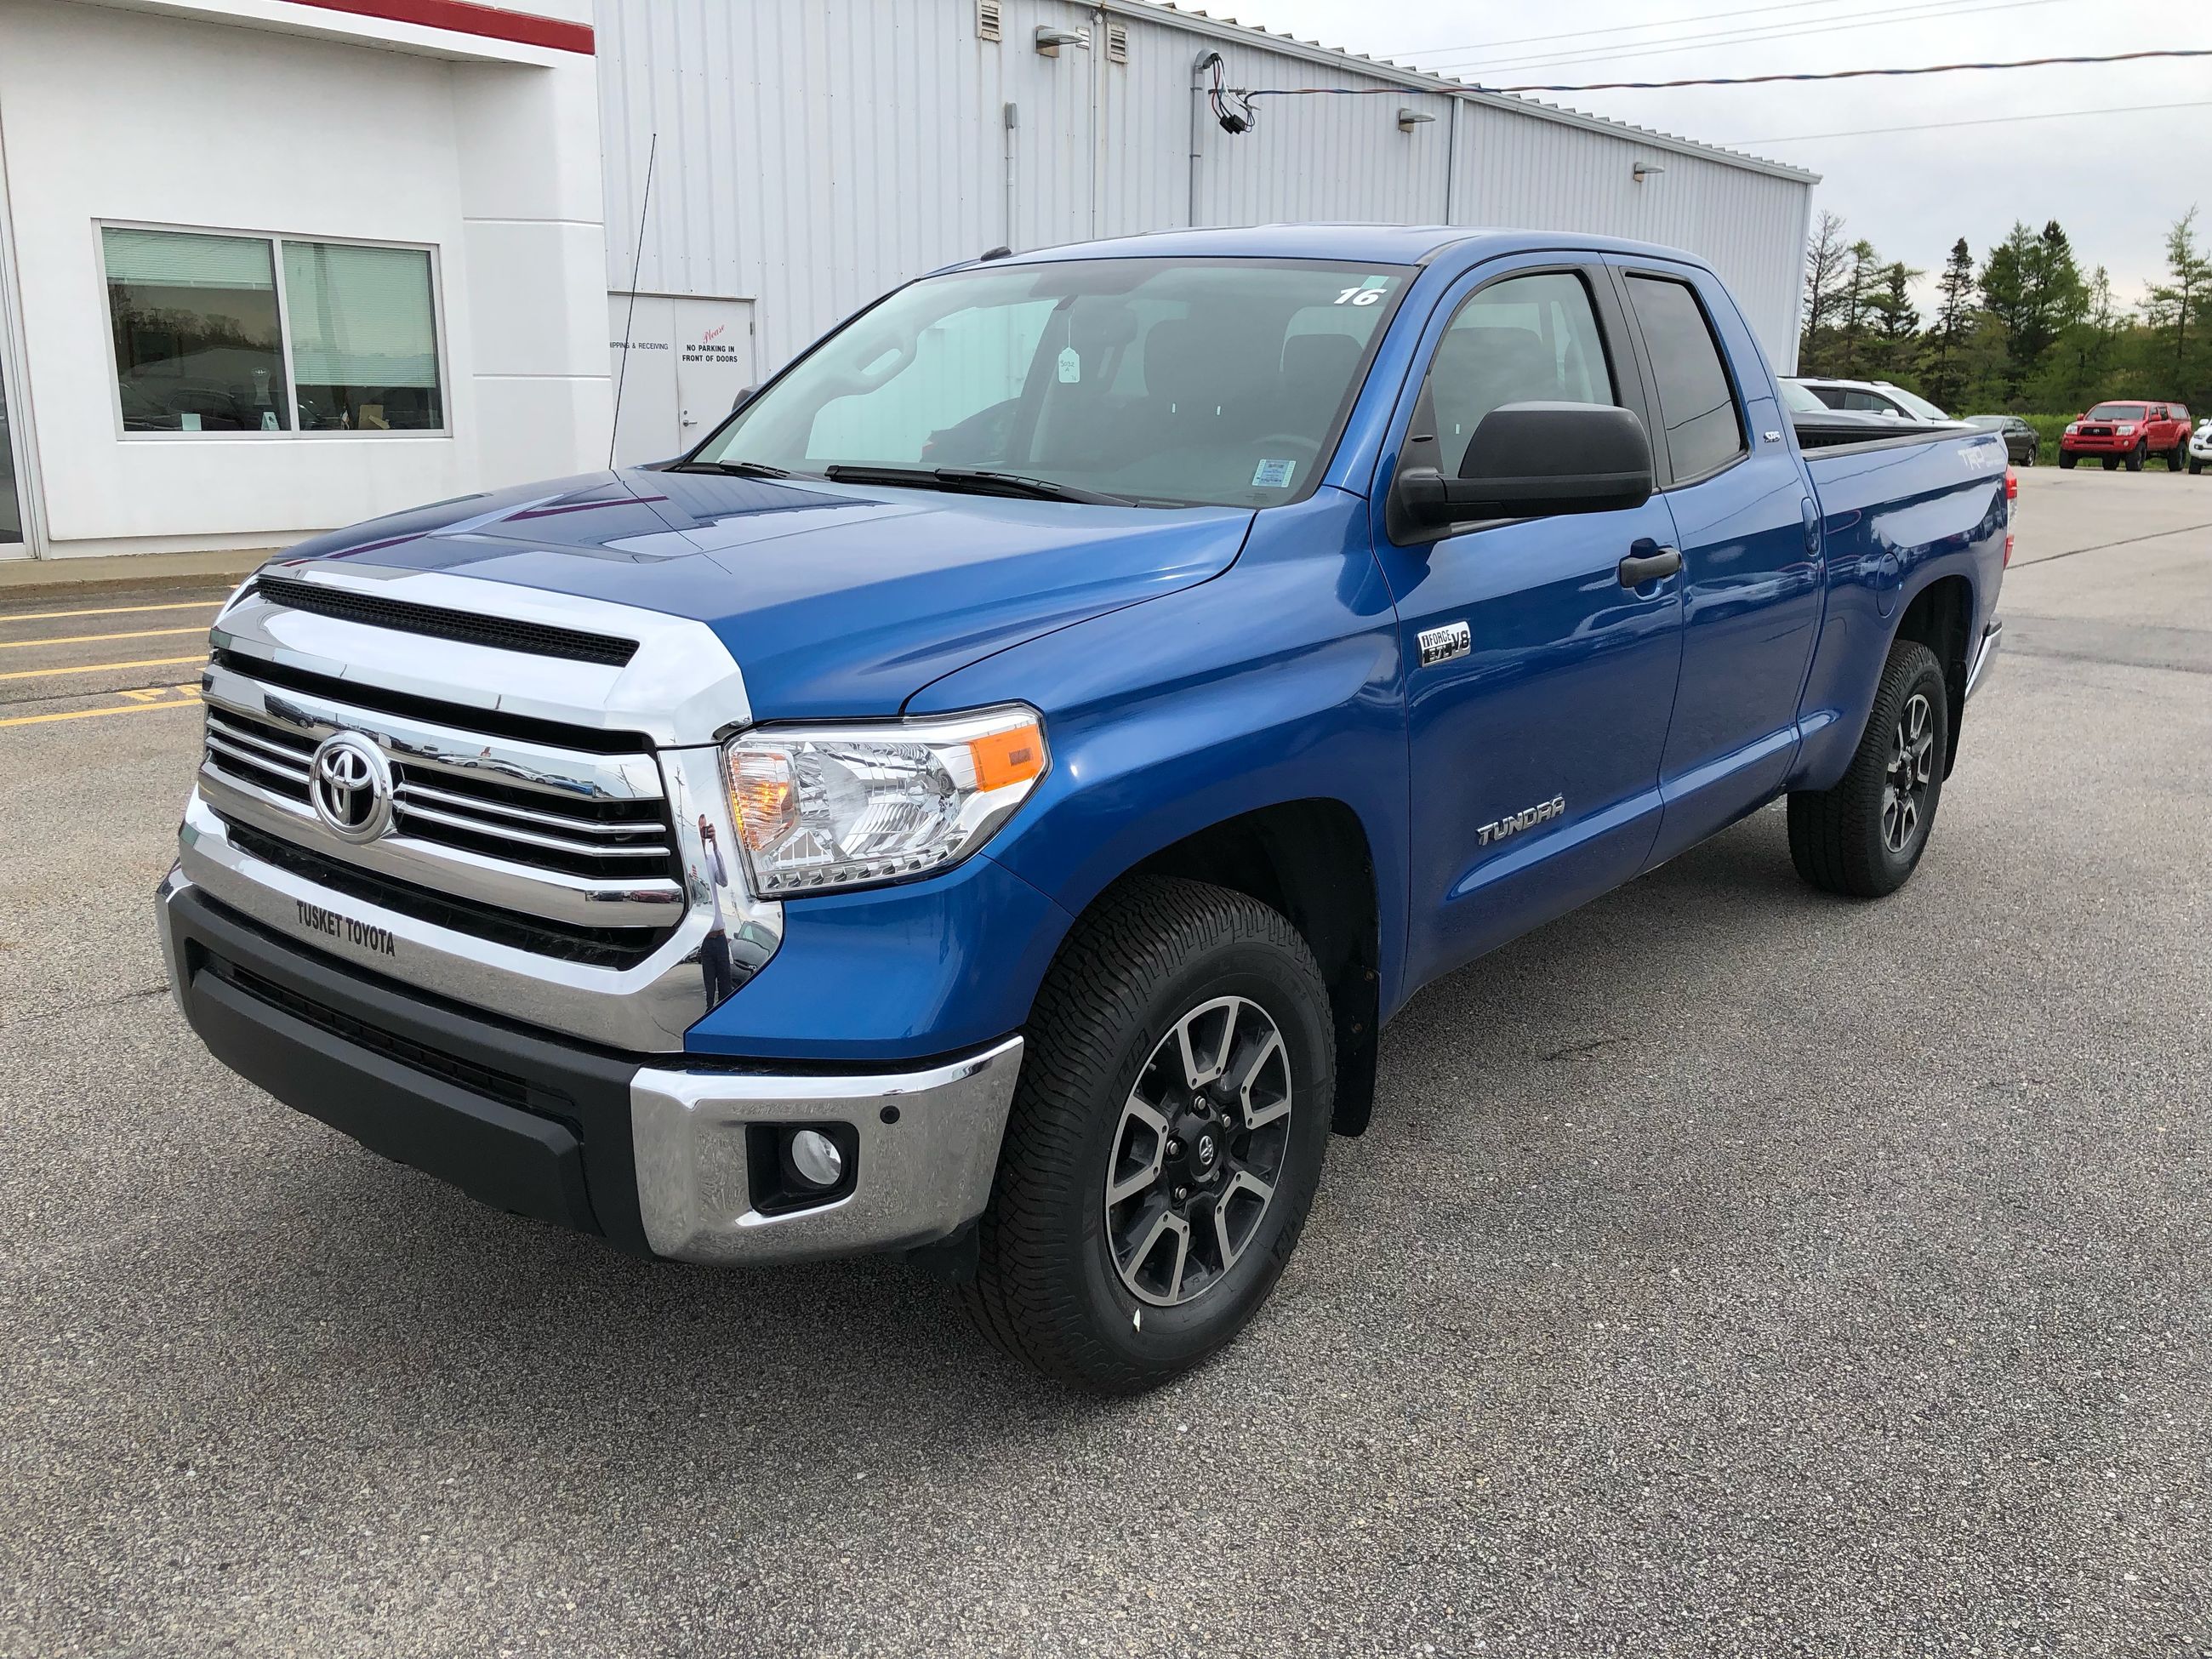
(742, 399)
(1531, 460)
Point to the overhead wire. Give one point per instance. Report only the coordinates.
(1615, 28)
(1927, 11)
(1983, 121)
(1855, 74)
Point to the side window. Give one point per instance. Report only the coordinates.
(1526, 339)
(1703, 432)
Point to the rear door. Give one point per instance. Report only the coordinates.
(1537, 686)
(1743, 516)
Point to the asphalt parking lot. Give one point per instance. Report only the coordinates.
(1730, 1270)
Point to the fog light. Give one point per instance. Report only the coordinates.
(816, 1157)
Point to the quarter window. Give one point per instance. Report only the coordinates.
(218, 333)
(1704, 432)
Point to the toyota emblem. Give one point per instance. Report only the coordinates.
(350, 786)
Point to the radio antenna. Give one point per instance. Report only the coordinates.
(636, 265)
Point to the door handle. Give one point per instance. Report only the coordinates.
(1635, 572)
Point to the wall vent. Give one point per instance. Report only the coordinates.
(987, 20)
(1117, 43)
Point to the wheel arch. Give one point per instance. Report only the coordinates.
(1310, 860)
(1941, 616)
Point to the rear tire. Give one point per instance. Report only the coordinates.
(1159, 980)
(2178, 457)
(1864, 837)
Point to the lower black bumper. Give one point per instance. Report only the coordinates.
(664, 1155)
(521, 1122)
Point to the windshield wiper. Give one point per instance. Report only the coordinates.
(735, 469)
(971, 481)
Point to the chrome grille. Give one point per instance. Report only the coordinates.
(488, 827)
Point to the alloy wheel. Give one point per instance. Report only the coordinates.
(1198, 1152)
(1912, 768)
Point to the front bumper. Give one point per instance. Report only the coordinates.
(2099, 444)
(659, 1157)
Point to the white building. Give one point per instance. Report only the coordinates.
(269, 266)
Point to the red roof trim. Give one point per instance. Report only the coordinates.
(466, 17)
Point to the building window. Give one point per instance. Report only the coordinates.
(364, 339)
(197, 344)
(220, 333)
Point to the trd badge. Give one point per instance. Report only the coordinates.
(1443, 644)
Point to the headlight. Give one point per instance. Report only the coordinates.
(827, 806)
(2125, 428)
(2073, 428)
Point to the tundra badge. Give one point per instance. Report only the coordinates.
(1514, 823)
(1443, 644)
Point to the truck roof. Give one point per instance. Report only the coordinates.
(1364, 244)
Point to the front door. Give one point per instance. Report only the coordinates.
(1538, 685)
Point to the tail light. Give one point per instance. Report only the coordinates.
(2012, 495)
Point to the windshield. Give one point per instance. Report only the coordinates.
(1987, 422)
(1160, 381)
(1917, 405)
(1798, 398)
(2115, 412)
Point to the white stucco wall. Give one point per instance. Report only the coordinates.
(179, 117)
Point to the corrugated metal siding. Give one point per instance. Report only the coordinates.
(813, 153)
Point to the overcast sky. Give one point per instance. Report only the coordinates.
(2115, 181)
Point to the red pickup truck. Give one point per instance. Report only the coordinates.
(2128, 431)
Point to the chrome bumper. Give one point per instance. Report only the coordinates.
(928, 1147)
(1984, 655)
(925, 1140)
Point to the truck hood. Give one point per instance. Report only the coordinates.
(835, 601)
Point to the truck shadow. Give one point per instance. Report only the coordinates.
(366, 1281)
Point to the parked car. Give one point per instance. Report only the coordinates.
(794, 849)
(2200, 447)
(2128, 430)
(1873, 397)
(2022, 441)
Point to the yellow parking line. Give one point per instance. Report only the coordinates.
(88, 639)
(95, 667)
(109, 610)
(191, 701)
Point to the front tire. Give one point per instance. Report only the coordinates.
(2178, 457)
(2066, 461)
(2136, 457)
(1864, 837)
(1165, 1139)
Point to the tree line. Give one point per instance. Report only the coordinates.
(2024, 330)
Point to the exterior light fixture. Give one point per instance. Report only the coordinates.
(1050, 40)
(1643, 170)
(1410, 118)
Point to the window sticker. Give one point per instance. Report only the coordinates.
(1368, 292)
(1273, 475)
(1071, 366)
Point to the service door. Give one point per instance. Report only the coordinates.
(689, 359)
(714, 362)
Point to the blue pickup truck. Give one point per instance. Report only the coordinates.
(986, 799)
